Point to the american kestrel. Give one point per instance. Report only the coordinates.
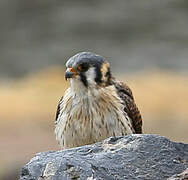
(96, 105)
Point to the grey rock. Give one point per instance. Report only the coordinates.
(181, 176)
(130, 157)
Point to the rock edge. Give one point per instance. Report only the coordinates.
(129, 157)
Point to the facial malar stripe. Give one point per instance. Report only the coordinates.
(84, 79)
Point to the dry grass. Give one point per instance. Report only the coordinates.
(161, 96)
(33, 96)
(28, 106)
(163, 100)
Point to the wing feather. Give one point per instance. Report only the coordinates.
(58, 109)
(131, 109)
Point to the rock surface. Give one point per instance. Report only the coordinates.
(129, 157)
(181, 176)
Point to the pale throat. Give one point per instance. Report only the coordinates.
(78, 89)
(80, 93)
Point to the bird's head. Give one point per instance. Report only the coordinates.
(89, 70)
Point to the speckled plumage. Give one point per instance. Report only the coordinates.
(96, 106)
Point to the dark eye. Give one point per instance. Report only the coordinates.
(83, 67)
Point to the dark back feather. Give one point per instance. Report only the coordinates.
(131, 109)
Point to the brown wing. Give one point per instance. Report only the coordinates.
(131, 109)
(58, 109)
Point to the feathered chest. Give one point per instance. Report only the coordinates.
(90, 118)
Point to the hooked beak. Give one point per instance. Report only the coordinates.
(71, 73)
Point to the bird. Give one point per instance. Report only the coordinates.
(96, 105)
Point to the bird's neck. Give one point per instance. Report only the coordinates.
(89, 97)
(78, 89)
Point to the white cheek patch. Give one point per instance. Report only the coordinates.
(91, 75)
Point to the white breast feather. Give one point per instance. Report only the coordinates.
(90, 116)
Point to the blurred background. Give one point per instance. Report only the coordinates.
(146, 43)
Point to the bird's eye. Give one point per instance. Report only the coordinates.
(83, 67)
